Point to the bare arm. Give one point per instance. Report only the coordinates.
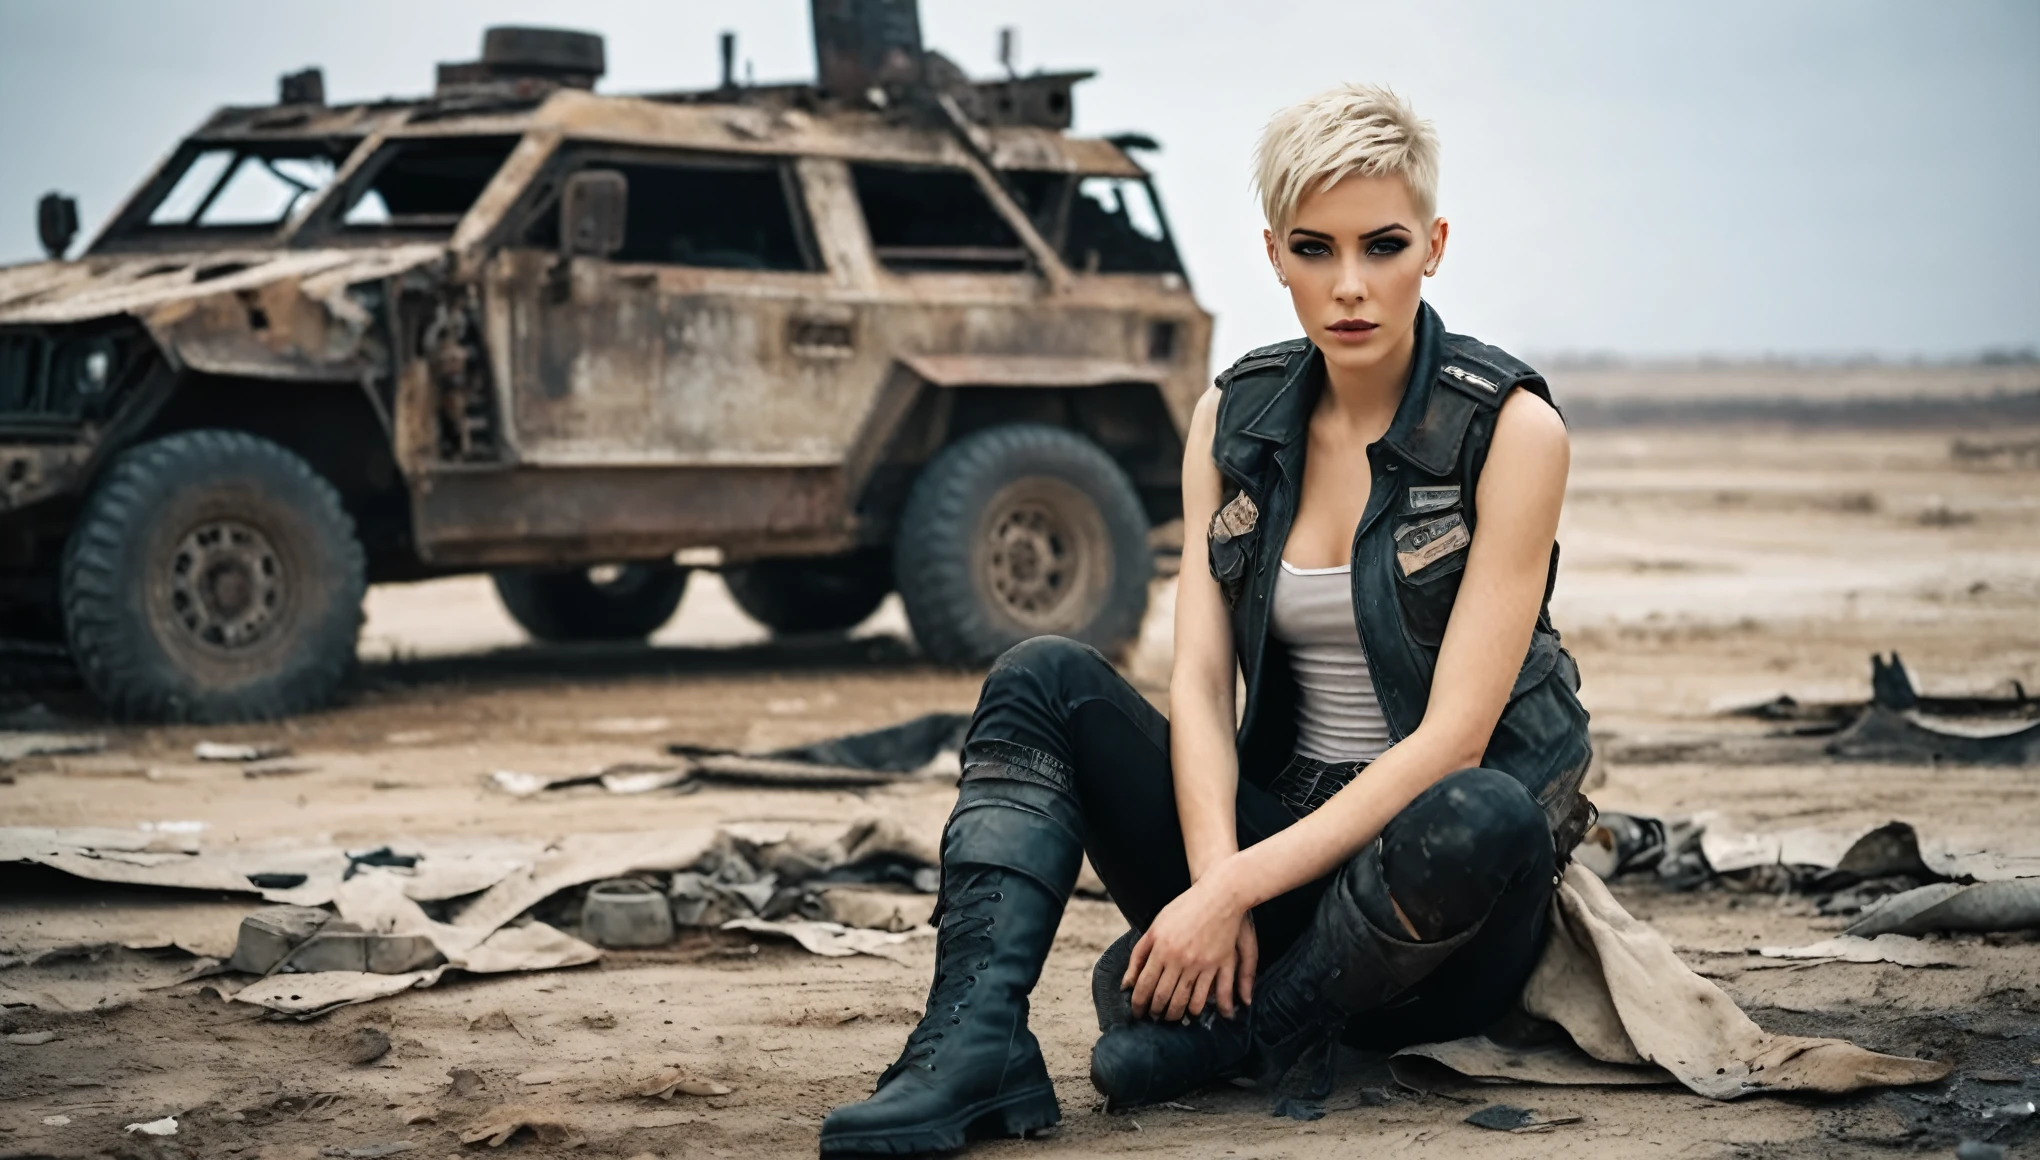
(1201, 708)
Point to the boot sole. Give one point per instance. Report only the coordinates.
(1016, 1114)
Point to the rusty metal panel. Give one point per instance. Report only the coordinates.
(494, 518)
(787, 131)
(1024, 370)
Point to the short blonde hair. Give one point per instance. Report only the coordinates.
(1353, 129)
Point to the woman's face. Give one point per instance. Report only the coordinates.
(1355, 258)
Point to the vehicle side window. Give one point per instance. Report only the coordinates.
(734, 214)
(934, 219)
(425, 184)
(1115, 227)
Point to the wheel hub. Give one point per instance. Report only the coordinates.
(226, 584)
(1032, 561)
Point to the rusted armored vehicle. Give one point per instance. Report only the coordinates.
(892, 330)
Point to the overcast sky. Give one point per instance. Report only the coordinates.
(1819, 177)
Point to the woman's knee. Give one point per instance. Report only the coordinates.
(1455, 849)
(1476, 815)
(1049, 669)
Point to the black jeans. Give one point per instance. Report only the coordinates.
(1473, 849)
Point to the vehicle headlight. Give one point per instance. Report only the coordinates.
(95, 368)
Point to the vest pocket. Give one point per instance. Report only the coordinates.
(1430, 559)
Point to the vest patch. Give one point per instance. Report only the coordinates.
(1433, 499)
(1468, 377)
(1418, 546)
(1235, 519)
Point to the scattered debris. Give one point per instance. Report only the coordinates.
(626, 912)
(308, 940)
(1507, 1118)
(625, 777)
(367, 1045)
(2010, 1113)
(466, 1083)
(381, 857)
(1946, 906)
(1885, 948)
(666, 1083)
(832, 939)
(1621, 843)
(269, 935)
(229, 751)
(32, 1038)
(167, 1126)
(926, 746)
(495, 1019)
(497, 1128)
(15, 746)
(262, 769)
(1501, 1117)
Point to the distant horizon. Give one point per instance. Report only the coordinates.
(1832, 360)
(1829, 181)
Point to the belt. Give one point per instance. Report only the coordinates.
(1306, 783)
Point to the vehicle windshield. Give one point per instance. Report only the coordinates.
(245, 187)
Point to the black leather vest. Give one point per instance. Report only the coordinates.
(1409, 553)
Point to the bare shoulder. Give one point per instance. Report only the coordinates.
(1529, 431)
(1204, 418)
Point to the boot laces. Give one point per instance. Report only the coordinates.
(964, 950)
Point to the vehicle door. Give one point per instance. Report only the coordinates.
(710, 335)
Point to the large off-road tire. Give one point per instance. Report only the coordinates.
(820, 594)
(212, 576)
(617, 602)
(1021, 531)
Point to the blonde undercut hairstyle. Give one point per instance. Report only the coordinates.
(1363, 130)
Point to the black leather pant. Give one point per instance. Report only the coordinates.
(1474, 849)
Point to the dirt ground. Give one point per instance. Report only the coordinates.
(1701, 567)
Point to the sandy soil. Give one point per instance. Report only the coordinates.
(1700, 567)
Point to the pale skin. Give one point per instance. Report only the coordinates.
(1353, 254)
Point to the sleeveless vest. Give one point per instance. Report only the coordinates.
(1409, 554)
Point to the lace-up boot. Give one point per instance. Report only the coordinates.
(972, 1068)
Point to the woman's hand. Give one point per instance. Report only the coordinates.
(1201, 947)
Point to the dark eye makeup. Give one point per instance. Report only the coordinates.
(1379, 244)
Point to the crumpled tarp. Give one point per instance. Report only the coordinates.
(1636, 1014)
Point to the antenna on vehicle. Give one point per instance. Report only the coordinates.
(729, 60)
(1006, 38)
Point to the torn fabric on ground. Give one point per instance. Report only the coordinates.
(1627, 1001)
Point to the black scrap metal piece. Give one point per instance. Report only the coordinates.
(1894, 725)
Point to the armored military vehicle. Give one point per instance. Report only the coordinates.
(896, 329)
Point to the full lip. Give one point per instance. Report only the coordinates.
(1353, 329)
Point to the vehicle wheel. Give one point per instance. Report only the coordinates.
(609, 602)
(1021, 531)
(821, 594)
(212, 576)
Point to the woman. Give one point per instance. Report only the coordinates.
(1377, 503)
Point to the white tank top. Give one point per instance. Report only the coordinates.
(1338, 717)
